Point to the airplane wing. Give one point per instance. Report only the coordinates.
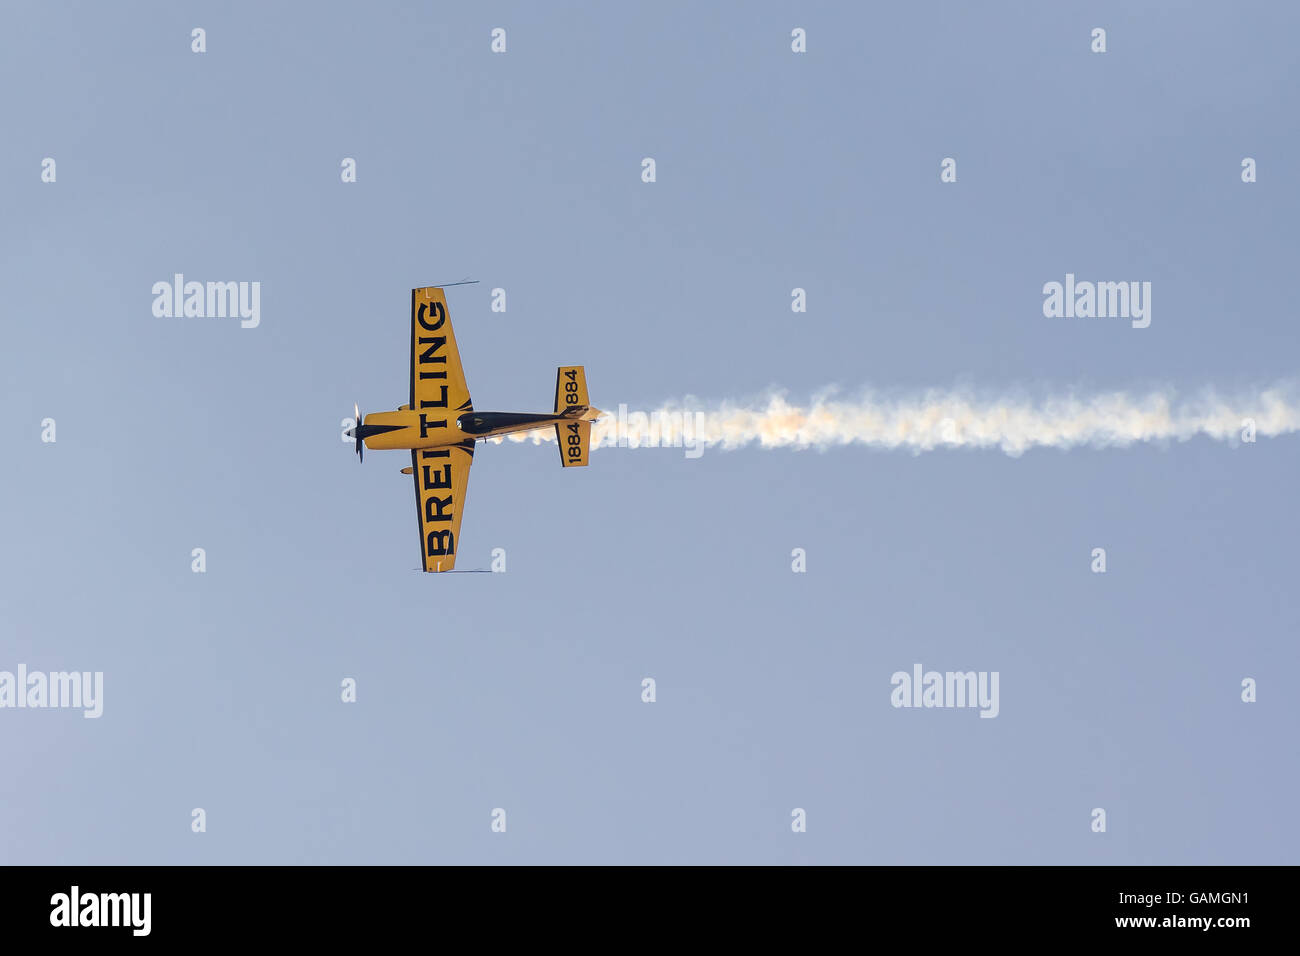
(438, 389)
(441, 477)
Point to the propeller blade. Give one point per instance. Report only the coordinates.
(360, 445)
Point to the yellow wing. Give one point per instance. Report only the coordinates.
(441, 477)
(438, 389)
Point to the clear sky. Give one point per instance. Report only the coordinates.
(522, 690)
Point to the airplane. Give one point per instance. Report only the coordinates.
(440, 426)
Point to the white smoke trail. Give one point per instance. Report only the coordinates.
(952, 419)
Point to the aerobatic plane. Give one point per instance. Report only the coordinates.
(440, 426)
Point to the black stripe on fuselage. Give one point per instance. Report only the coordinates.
(480, 423)
(366, 431)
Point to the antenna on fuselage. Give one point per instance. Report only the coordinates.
(448, 285)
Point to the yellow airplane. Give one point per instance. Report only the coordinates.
(440, 426)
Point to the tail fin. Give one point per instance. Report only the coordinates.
(574, 437)
(570, 390)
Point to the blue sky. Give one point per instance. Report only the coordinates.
(523, 690)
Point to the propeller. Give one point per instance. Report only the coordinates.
(356, 433)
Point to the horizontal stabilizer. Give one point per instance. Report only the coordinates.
(570, 389)
(575, 442)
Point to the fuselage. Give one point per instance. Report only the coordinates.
(406, 429)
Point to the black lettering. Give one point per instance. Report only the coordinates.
(427, 357)
(433, 308)
(446, 544)
(425, 425)
(439, 515)
(433, 480)
(429, 403)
